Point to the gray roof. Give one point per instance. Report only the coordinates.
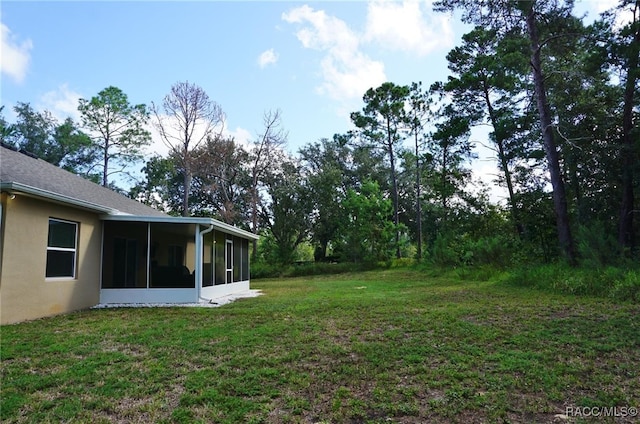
(21, 173)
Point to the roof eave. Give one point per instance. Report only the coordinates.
(230, 229)
(27, 190)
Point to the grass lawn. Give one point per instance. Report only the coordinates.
(375, 347)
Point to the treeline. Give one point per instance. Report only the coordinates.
(559, 100)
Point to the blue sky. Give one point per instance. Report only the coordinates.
(311, 60)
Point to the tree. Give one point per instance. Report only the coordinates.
(418, 104)
(381, 123)
(61, 144)
(6, 129)
(187, 118)
(156, 189)
(326, 166)
(116, 128)
(265, 147)
(449, 147)
(221, 167)
(626, 49)
(486, 86)
(288, 214)
(367, 233)
(526, 16)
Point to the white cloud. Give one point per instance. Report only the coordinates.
(15, 57)
(603, 5)
(349, 79)
(624, 16)
(61, 102)
(267, 57)
(594, 8)
(241, 136)
(159, 146)
(403, 26)
(346, 71)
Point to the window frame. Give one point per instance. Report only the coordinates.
(63, 249)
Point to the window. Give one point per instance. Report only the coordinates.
(61, 249)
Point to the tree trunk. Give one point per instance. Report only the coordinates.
(187, 189)
(502, 157)
(559, 194)
(418, 205)
(394, 182)
(628, 151)
(105, 165)
(254, 215)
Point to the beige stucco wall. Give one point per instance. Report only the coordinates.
(25, 293)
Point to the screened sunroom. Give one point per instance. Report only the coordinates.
(172, 260)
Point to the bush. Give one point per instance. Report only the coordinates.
(597, 246)
(614, 282)
(478, 273)
(627, 287)
(263, 270)
(499, 251)
(445, 252)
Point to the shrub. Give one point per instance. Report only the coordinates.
(627, 287)
(499, 251)
(264, 270)
(597, 246)
(614, 282)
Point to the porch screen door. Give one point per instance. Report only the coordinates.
(229, 261)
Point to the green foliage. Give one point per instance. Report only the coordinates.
(597, 246)
(156, 188)
(367, 235)
(288, 216)
(626, 286)
(41, 134)
(328, 173)
(117, 129)
(619, 283)
(381, 123)
(353, 197)
(262, 270)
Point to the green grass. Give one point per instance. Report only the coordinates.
(374, 347)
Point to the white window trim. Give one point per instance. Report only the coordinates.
(64, 249)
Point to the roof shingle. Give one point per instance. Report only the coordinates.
(21, 169)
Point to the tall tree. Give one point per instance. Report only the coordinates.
(158, 185)
(528, 17)
(117, 129)
(287, 215)
(222, 167)
(450, 148)
(367, 233)
(267, 145)
(381, 122)
(418, 110)
(486, 88)
(327, 172)
(186, 119)
(626, 49)
(6, 129)
(61, 144)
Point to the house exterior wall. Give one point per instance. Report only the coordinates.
(25, 292)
